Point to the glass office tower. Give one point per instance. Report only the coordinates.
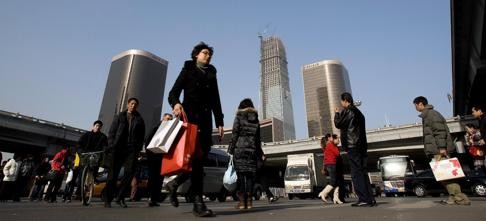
(135, 73)
(324, 82)
(275, 97)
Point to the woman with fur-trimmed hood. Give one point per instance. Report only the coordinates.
(245, 146)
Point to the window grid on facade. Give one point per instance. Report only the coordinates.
(275, 89)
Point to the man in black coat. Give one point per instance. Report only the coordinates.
(351, 122)
(201, 100)
(91, 141)
(125, 141)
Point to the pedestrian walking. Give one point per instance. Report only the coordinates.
(351, 123)
(473, 138)
(10, 171)
(331, 156)
(40, 179)
(125, 141)
(26, 170)
(245, 146)
(70, 183)
(263, 180)
(201, 99)
(438, 145)
(58, 169)
(477, 112)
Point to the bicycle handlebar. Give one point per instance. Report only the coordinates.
(91, 153)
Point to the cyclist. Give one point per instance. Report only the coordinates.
(91, 141)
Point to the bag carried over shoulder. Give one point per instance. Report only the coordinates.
(51, 175)
(164, 136)
(179, 158)
(446, 169)
(230, 178)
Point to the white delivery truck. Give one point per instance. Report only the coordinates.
(303, 177)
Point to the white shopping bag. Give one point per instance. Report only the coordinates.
(164, 136)
(230, 178)
(447, 169)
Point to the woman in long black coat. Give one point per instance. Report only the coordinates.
(201, 100)
(246, 148)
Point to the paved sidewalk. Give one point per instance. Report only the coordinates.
(388, 209)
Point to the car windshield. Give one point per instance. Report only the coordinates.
(297, 173)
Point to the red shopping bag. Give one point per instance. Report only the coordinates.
(179, 158)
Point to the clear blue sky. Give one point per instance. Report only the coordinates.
(55, 55)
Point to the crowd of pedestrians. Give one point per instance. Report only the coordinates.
(198, 83)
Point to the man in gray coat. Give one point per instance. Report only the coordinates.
(438, 145)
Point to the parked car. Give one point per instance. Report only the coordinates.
(423, 183)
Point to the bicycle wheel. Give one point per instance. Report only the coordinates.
(87, 186)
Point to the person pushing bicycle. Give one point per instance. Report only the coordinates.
(91, 141)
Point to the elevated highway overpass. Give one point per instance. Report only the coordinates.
(400, 140)
(25, 134)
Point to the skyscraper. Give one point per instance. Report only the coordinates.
(134, 73)
(275, 97)
(324, 82)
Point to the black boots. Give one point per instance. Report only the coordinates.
(200, 209)
(122, 203)
(172, 188)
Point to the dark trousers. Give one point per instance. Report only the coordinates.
(38, 190)
(359, 174)
(53, 188)
(155, 180)
(260, 178)
(20, 185)
(246, 181)
(340, 178)
(120, 159)
(68, 190)
(7, 189)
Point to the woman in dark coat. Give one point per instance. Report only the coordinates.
(245, 146)
(201, 100)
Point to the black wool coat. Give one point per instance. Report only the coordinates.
(121, 135)
(245, 144)
(91, 141)
(201, 99)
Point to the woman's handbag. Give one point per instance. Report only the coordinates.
(230, 178)
(179, 158)
(51, 175)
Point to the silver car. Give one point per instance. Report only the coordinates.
(214, 168)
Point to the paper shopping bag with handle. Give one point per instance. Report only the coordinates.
(446, 169)
(180, 156)
(164, 136)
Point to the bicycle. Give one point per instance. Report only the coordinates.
(90, 165)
